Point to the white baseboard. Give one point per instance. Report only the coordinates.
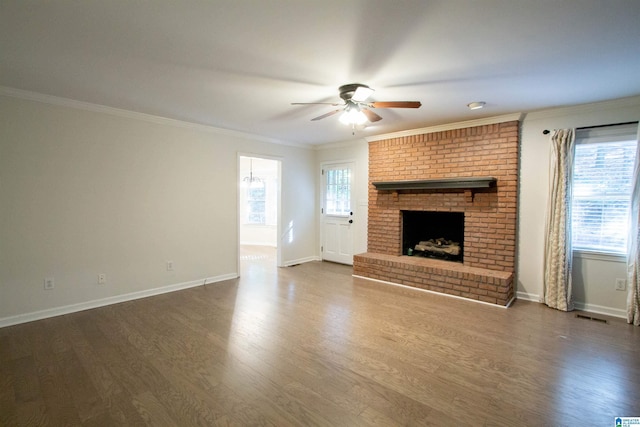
(301, 261)
(73, 308)
(591, 308)
(599, 309)
(525, 296)
(269, 245)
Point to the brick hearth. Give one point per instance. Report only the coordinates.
(490, 214)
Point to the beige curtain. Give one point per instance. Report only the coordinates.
(558, 251)
(633, 261)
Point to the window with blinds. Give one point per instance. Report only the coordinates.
(601, 188)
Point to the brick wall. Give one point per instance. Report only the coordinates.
(490, 214)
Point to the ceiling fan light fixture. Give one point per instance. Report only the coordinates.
(355, 111)
(476, 105)
(353, 116)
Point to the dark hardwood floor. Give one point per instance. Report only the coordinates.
(311, 345)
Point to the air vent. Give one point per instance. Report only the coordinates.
(597, 319)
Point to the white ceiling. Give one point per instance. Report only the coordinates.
(239, 64)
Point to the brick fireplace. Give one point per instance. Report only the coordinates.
(439, 172)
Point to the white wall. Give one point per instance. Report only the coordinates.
(84, 192)
(593, 278)
(358, 152)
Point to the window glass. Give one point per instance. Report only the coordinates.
(338, 191)
(601, 189)
(256, 203)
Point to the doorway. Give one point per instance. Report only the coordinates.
(258, 210)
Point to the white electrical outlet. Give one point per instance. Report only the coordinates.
(169, 265)
(49, 283)
(102, 279)
(621, 285)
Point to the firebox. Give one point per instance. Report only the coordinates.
(433, 234)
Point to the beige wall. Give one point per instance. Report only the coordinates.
(88, 192)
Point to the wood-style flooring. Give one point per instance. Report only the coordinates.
(311, 345)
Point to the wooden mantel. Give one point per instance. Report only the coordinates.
(436, 184)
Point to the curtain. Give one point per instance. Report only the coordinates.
(633, 260)
(558, 250)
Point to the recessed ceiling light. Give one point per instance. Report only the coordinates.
(476, 105)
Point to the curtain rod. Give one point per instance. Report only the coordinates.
(547, 131)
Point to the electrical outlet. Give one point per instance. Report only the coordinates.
(102, 279)
(49, 283)
(621, 285)
(169, 265)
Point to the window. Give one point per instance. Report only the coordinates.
(601, 189)
(256, 203)
(338, 190)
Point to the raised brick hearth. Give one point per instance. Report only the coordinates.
(487, 271)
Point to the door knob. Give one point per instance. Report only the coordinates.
(350, 221)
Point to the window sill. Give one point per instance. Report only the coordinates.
(600, 256)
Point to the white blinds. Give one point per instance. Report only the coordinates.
(601, 190)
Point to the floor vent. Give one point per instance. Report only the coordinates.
(597, 319)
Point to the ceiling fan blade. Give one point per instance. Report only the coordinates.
(371, 116)
(330, 113)
(362, 93)
(335, 104)
(396, 104)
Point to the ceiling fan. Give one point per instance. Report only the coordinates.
(356, 110)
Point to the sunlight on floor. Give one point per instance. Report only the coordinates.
(255, 253)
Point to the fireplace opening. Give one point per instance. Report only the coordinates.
(433, 234)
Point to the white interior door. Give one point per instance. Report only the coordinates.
(337, 213)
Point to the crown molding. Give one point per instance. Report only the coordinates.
(584, 108)
(134, 115)
(448, 126)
